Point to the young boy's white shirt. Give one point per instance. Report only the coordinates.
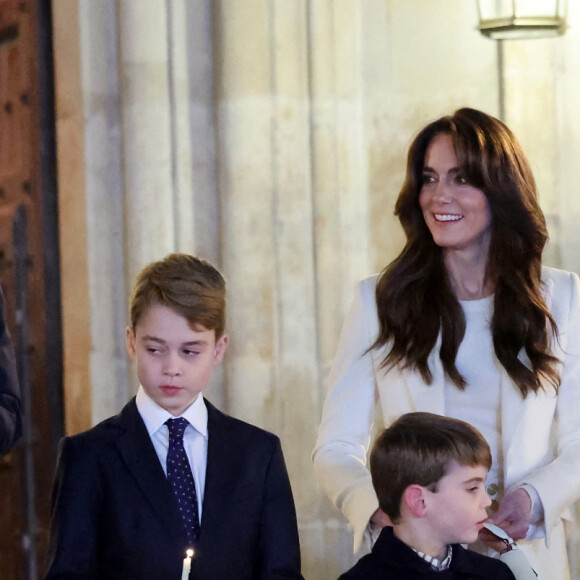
(195, 438)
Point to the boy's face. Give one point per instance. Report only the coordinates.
(174, 362)
(457, 509)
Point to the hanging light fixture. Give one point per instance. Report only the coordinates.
(520, 19)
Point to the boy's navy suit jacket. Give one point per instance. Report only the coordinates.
(115, 515)
(391, 559)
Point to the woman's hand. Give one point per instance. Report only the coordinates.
(491, 540)
(380, 519)
(514, 514)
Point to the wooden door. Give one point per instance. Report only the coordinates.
(29, 278)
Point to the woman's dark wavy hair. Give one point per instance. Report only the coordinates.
(414, 298)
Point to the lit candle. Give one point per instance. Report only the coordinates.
(186, 565)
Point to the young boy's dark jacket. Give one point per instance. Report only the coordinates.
(115, 515)
(392, 559)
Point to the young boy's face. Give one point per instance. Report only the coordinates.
(174, 362)
(457, 509)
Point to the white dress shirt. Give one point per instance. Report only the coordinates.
(195, 437)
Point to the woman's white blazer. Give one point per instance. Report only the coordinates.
(540, 434)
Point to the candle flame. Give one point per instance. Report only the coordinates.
(189, 553)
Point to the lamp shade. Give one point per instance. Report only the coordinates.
(519, 19)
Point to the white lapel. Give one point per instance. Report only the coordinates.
(512, 411)
(525, 423)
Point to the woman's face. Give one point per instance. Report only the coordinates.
(456, 213)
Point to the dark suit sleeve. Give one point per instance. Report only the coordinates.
(75, 515)
(10, 404)
(279, 555)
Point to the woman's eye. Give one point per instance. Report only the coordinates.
(461, 180)
(425, 178)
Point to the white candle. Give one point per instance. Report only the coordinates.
(186, 565)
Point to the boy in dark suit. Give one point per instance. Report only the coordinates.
(171, 472)
(429, 474)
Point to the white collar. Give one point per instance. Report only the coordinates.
(436, 564)
(155, 416)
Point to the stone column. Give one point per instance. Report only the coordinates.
(341, 224)
(567, 123)
(148, 175)
(202, 129)
(268, 229)
(74, 273)
(104, 201)
(148, 157)
(530, 69)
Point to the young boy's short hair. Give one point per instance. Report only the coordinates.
(188, 285)
(417, 449)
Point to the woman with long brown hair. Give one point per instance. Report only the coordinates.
(466, 322)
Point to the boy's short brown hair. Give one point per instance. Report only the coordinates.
(417, 449)
(188, 285)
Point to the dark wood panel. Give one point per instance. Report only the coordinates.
(27, 253)
(14, 83)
